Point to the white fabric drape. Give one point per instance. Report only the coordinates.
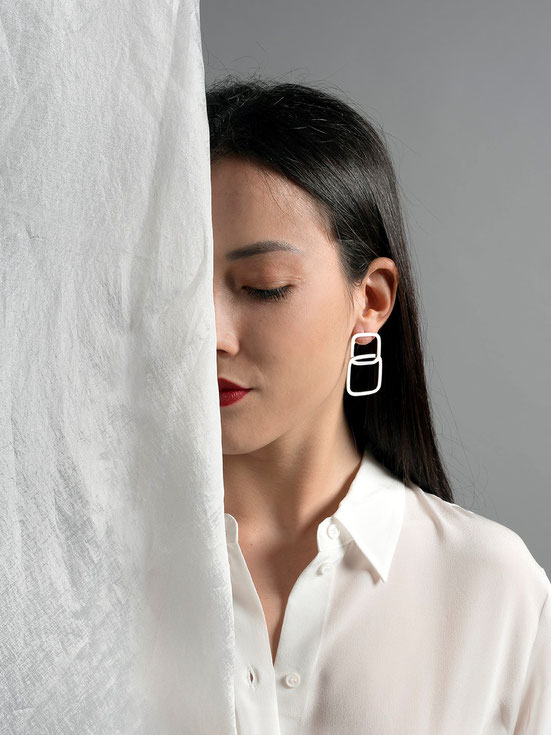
(115, 594)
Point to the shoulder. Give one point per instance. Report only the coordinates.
(482, 553)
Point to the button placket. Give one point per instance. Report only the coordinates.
(255, 685)
(301, 634)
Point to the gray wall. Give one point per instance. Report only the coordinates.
(462, 90)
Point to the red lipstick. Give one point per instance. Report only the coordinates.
(230, 392)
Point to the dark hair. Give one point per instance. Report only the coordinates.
(333, 152)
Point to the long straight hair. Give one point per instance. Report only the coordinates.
(331, 150)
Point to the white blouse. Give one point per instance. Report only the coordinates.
(416, 617)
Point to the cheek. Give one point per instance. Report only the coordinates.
(318, 332)
(308, 354)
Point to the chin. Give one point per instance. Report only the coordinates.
(241, 442)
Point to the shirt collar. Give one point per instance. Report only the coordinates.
(371, 513)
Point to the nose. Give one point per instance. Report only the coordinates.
(226, 340)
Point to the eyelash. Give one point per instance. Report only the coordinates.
(274, 294)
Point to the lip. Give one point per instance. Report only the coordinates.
(230, 392)
(224, 385)
(227, 397)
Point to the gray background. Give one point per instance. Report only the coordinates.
(462, 92)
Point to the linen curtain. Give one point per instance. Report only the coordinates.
(115, 593)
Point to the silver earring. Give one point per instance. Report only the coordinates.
(367, 359)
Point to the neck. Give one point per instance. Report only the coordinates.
(291, 485)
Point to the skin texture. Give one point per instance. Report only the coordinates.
(288, 454)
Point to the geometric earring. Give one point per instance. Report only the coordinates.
(365, 359)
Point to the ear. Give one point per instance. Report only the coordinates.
(376, 298)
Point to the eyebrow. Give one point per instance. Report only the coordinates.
(263, 246)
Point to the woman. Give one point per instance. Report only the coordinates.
(365, 600)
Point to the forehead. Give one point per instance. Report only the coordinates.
(247, 198)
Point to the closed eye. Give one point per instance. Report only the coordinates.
(273, 294)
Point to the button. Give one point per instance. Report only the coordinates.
(292, 680)
(333, 531)
(325, 568)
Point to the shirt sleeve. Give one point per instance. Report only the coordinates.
(534, 715)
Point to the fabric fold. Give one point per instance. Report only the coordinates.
(115, 594)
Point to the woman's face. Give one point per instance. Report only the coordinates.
(292, 352)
